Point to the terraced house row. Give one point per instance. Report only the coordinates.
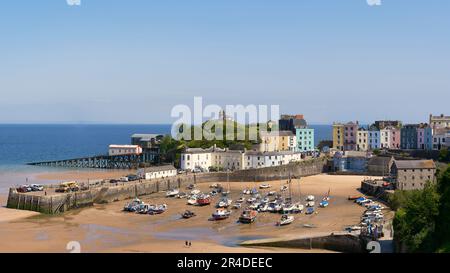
(351, 136)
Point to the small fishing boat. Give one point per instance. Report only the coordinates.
(195, 192)
(272, 193)
(158, 209)
(192, 200)
(254, 191)
(310, 204)
(309, 210)
(254, 206)
(143, 208)
(323, 204)
(251, 200)
(310, 198)
(285, 220)
(240, 200)
(181, 195)
(190, 187)
(274, 207)
(354, 197)
(188, 214)
(221, 214)
(265, 186)
(298, 208)
(224, 203)
(237, 205)
(246, 192)
(203, 200)
(248, 216)
(288, 208)
(133, 205)
(172, 193)
(263, 207)
(284, 188)
(265, 200)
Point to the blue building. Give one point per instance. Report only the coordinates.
(305, 139)
(374, 138)
(408, 136)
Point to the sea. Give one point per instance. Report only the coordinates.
(22, 144)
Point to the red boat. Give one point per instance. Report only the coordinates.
(204, 200)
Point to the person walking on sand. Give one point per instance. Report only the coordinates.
(186, 243)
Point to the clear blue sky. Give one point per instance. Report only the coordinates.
(122, 61)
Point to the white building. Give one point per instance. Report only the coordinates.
(124, 149)
(441, 138)
(256, 160)
(193, 158)
(157, 172)
(362, 139)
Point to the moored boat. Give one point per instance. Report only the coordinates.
(203, 200)
(309, 210)
(221, 214)
(248, 216)
(188, 214)
(323, 204)
(224, 203)
(172, 193)
(158, 209)
(133, 205)
(285, 220)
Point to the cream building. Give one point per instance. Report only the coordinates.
(228, 159)
(362, 140)
(269, 141)
(256, 160)
(287, 141)
(193, 158)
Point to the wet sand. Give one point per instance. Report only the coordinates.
(106, 228)
(84, 175)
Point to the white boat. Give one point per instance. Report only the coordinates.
(272, 193)
(288, 208)
(221, 214)
(172, 193)
(195, 192)
(264, 186)
(224, 203)
(254, 206)
(241, 200)
(157, 209)
(143, 208)
(237, 205)
(310, 204)
(264, 207)
(284, 188)
(298, 208)
(265, 200)
(251, 200)
(285, 220)
(247, 192)
(192, 200)
(133, 205)
(310, 198)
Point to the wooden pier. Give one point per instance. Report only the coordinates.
(130, 161)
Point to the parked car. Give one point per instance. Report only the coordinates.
(24, 188)
(181, 171)
(37, 187)
(68, 187)
(132, 177)
(124, 179)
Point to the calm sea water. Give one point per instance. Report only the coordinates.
(21, 144)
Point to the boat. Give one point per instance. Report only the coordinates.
(221, 214)
(143, 208)
(354, 197)
(272, 193)
(195, 192)
(181, 195)
(323, 204)
(133, 205)
(246, 192)
(287, 208)
(251, 200)
(310, 198)
(310, 204)
(224, 203)
(157, 209)
(274, 207)
(298, 208)
(309, 210)
(265, 186)
(254, 191)
(188, 214)
(215, 185)
(284, 188)
(172, 193)
(190, 187)
(241, 200)
(248, 216)
(237, 205)
(263, 207)
(285, 220)
(254, 206)
(265, 200)
(203, 200)
(192, 200)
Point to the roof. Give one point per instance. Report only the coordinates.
(276, 133)
(123, 146)
(380, 160)
(271, 153)
(415, 164)
(160, 168)
(146, 137)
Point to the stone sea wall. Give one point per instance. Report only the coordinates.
(59, 203)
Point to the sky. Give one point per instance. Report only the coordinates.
(122, 61)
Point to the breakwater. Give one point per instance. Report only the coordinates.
(339, 242)
(104, 193)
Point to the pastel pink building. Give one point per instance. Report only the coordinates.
(350, 135)
(394, 142)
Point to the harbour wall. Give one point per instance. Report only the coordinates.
(343, 242)
(59, 203)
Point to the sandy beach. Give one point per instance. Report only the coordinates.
(106, 228)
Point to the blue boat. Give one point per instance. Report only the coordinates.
(323, 204)
(310, 210)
